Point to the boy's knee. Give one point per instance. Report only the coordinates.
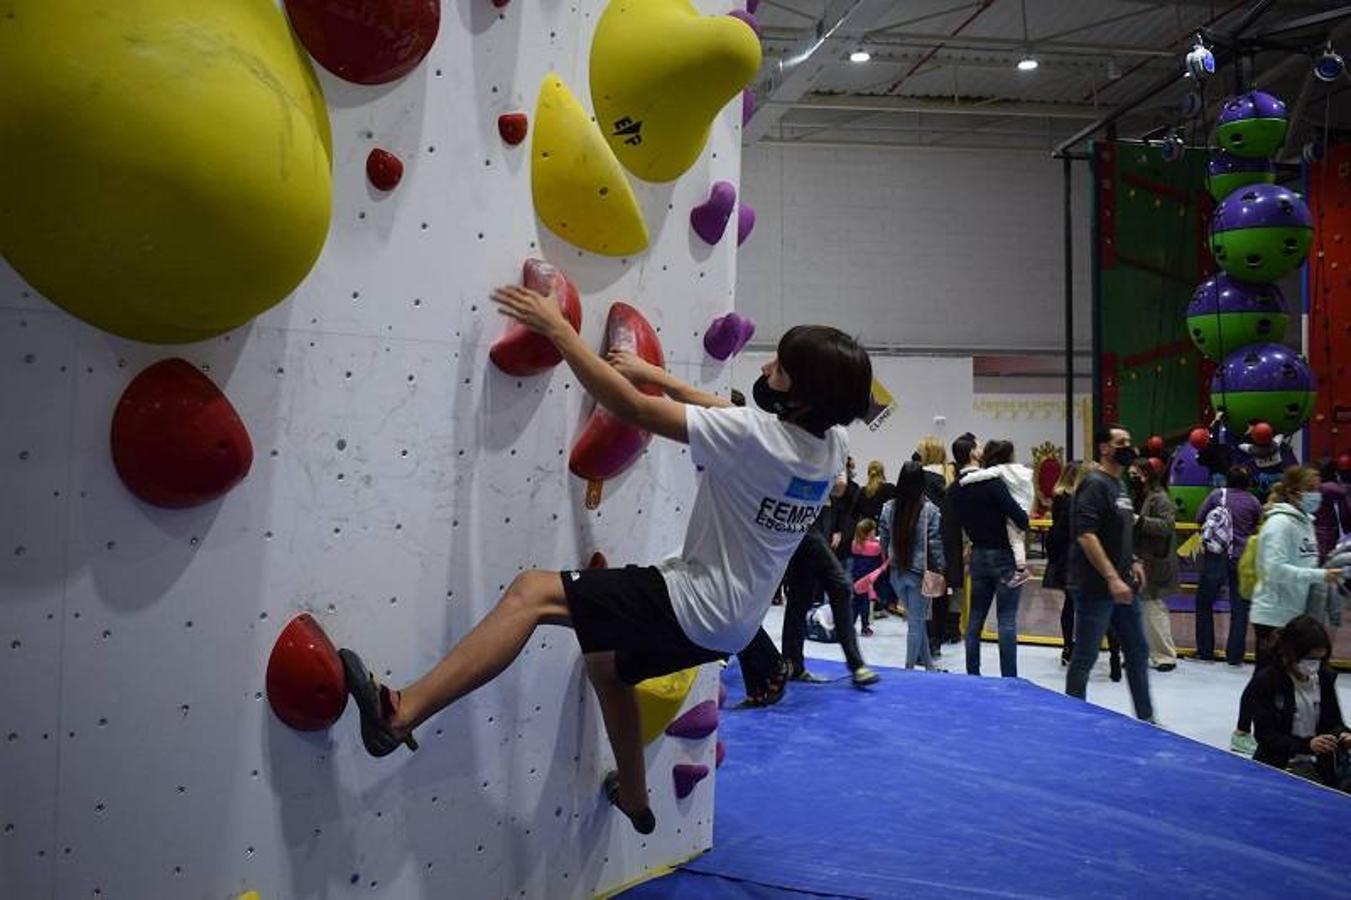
(535, 590)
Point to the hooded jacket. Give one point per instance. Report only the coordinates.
(1287, 566)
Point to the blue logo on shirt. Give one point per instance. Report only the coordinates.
(811, 491)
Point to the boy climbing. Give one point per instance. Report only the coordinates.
(764, 477)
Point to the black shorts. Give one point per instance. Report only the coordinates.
(629, 611)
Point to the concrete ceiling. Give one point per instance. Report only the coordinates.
(943, 73)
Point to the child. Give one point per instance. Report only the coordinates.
(764, 476)
(865, 558)
(998, 463)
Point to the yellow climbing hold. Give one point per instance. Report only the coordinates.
(660, 72)
(580, 190)
(166, 165)
(660, 699)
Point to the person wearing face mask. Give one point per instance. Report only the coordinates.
(1295, 710)
(1104, 573)
(1156, 545)
(1287, 566)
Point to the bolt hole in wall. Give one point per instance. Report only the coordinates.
(337, 341)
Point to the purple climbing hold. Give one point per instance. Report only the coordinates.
(1261, 206)
(697, 722)
(1252, 105)
(724, 339)
(720, 753)
(748, 18)
(686, 777)
(745, 222)
(722, 695)
(747, 105)
(752, 6)
(709, 219)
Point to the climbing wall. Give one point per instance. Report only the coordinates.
(1151, 224)
(1329, 311)
(399, 482)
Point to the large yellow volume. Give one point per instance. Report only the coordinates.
(660, 72)
(659, 699)
(580, 189)
(165, 166)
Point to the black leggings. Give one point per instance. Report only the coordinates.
(814, 570)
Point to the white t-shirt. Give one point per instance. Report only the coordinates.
(762, 485)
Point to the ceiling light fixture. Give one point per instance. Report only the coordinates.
(860, 56)
(1027, 64)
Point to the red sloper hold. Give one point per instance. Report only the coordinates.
(366, 41)
(686, 776)
(513, 127)
(608, 445)
(598, 561)
(523, 352)
(697, 722)
(176, 439)
(384, 169)
(500, 3)
(305, 683)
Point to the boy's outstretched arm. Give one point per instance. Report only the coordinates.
(610, 389)
(640, 371)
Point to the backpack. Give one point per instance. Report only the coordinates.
(1247, 564)
(1217, 531)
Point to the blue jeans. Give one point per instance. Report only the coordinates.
(907, 586)
(1092, 616)
(990, 572)
(1218, 569)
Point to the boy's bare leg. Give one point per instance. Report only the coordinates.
(623, 723)
(534, 598)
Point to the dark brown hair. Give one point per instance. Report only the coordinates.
(909, 501)
(832, 377)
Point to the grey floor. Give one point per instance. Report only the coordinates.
(1196, 700)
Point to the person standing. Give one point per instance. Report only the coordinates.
(937, 479)
(1228, 519)
(1103, 571)
(815, 569)
(910, 533)
(1156, 545)
(1058, 554)
(984, 507)
(875, 492)
(1287, 566)
(966, 459)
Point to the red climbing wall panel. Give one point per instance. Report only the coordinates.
(1330, 301)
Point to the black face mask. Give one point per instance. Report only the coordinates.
(1124, 455)
(768, 399)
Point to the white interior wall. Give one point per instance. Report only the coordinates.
(927, 389)
(914, 249)
(141, 758)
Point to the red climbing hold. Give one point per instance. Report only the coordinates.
(176, 439)
(720, 753)
(598, 561)
(523, 352)
(686, 776)
(608, 445)
(1199, 438)
(305, 683)
(384, 169)
(500, 3)
(366, 41)
(1154, 446)
(513, 127)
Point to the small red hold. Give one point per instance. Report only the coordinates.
(720, 753)
(176, 439)
(1158, 465)
(1262, 433)
(500, 3)
(598, 561)
(306, 687)
(384, 169)
(1199, 438)
(513, 126)
(1154, 446)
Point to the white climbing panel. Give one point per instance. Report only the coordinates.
(399, 483)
